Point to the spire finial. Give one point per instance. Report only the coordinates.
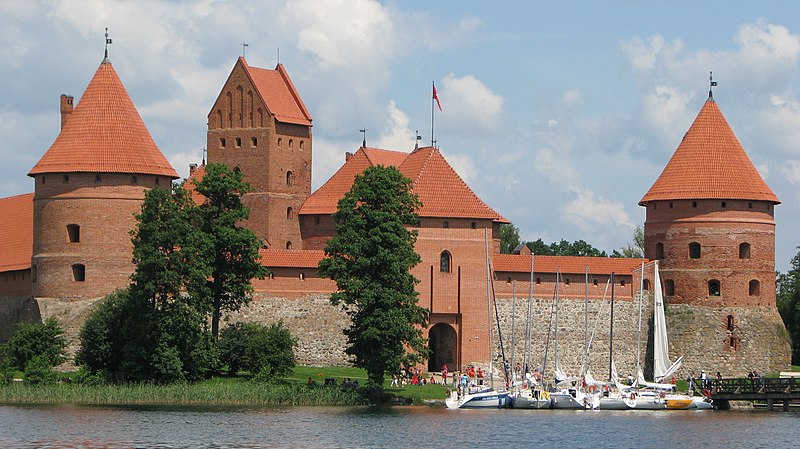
(108, 41)
(244, 46)
(364, 131)
(711, 83)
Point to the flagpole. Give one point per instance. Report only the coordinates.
(433, 86)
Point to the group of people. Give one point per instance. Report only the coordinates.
(705, 382)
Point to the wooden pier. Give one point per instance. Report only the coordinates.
(769, 390)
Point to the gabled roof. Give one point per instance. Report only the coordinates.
(710, 163)
(278, 93)
(16, 229)
(443, 193)
(290, 258)
(517, 263)
(104, 134)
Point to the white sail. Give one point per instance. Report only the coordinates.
(662, 366)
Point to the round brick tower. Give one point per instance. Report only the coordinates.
(88, 186)
(710, 222)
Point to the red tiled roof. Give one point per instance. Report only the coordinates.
(105, 134)
(16, 229)
(565, 264)
(290, 258)
(279, 94)
(443, 193)
(710, 163)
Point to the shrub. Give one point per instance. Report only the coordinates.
(265, 351)
(44, 340)
(39, 371)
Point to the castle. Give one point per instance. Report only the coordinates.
(709, 222)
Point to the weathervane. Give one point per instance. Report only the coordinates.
(244, 45)
(364, 131)
(108, 41)
(711, 83)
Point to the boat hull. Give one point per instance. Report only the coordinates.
(490, 399)
(531, 400)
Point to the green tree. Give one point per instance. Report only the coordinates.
(264, 350)
(369, 258)
(634, 249)
(232, 250)
(788, 301)
(565, 248)
(509, 238)
(43, 340)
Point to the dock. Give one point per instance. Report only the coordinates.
(772, 391)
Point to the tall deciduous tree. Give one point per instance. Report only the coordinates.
(369, 258)
(232, 249)
(789, 304)
(509, 238)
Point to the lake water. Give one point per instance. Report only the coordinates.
(400, 427)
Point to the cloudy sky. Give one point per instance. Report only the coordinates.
(560, 115)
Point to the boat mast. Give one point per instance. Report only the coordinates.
(639, 338)
(586, 325)
(489, 305)
(526, 360)
(611, 332)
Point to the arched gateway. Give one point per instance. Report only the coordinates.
(442, 343)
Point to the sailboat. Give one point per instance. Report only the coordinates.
(481, 396)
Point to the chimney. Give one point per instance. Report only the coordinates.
(66, 108)
(192, 169)
(347, 156)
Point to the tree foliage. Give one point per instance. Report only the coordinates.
(44, 341)
(264, 350)
(565, 248)
(788, 300)
(634, 249)
(369, 258)
(509, 238)
(231, 250)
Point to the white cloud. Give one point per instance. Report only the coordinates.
(469, 103)
(791, 172)
(557, 170)
(463, 165)
(397, 135)
(572, 97)
(587, 210)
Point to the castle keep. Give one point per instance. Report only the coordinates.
(709, 222)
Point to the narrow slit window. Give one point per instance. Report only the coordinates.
(74, 233)
(445, 259)
(744, 250)
(694, 250)
(713, 288)
(78, 272)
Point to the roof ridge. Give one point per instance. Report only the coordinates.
(296, 95)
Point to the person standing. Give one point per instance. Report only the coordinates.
(690, 382)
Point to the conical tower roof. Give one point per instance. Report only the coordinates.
(104, 134)
(710, 163)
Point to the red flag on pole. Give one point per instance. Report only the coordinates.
(436, 97)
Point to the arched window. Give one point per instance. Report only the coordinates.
(659, 250)
(445, 260)
(291, 143)
(289, 178)
(237, 169)
(74, 233)
(222, 142)
(744, 250)
(78, 272)
(622, 282)
(301, 145)
(508, 280)
(669, 287)
(730, 323)
(289, 245)
(713, 288)
(538, 281)
(755, 288)
(238, 141)
(280, 142)
(289, 213)
(594, 282)
(694, 250)
(566, 281)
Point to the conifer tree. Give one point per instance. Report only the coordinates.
(369, 258)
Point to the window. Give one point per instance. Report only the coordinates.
(472, 225)
(566, 281)
(744, 250)
(694, 203)
(646, 284)
(66, 178)
(445, 224)
(289, 245)
(755, 288)
(74, 233)
(280, 142)
(289, 178)
(445, 260)
(694, 250)
(96, 178)
(730, 323)
(724, 204)
(670, 204)
(238, 141)
(749, 205)
(316, 220)
(289, 213)
(594, 282)
(301, 145)
(254, 141)
(134, 180)
(79, 272)
(291, 143)
(713, 287)
(271, 275)
(302, 276)
(222, 142)
(622, 282)
(669, 287)
(659, 250)
(158, 181)
(237, 169)
(44, 179)
(508, 280)
(538, 281)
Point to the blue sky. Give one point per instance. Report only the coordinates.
(560, 115)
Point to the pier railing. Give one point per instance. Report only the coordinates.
(767, 390)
